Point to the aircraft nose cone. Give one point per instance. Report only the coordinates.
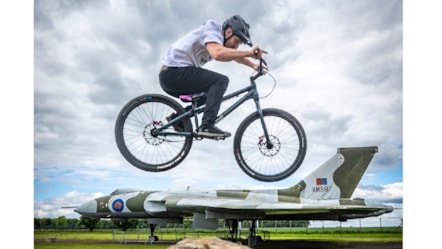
(87, 208)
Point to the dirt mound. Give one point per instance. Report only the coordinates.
(207, 243)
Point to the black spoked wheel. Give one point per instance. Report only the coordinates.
(135, 137)
(272, 161)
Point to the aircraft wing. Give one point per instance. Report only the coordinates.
(256, 209)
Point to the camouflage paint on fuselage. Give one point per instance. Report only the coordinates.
(324, 194)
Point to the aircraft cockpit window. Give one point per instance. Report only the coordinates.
(123, 191)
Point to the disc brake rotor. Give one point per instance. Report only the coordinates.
(264, 148)
(147, 133)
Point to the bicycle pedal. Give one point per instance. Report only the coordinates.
(217, 138)
(199, 137)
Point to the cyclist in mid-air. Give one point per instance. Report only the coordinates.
(182, 71)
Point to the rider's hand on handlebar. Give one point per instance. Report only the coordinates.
(257, 52)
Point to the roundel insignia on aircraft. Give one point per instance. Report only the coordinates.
(118, 205)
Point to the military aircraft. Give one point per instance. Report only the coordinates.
(324, 194)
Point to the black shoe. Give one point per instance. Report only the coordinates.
(178, 126)
(212, 132)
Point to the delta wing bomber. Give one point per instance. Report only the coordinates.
(324, 194)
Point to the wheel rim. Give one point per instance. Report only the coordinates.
(155, 151)
(269, 161)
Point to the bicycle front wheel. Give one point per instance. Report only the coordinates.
(135, 138)
(272, 160)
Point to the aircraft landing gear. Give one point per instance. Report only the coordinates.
(232, 225)
(152, 237)
(252, 239)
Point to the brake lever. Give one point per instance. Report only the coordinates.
(264, 61)
(267, 67)
(261, 61)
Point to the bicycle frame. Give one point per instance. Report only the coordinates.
(155, 132)
(251, 93)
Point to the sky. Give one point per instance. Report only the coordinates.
(338, 67)
(68, 67)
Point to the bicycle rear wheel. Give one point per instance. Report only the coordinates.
(134, 138)
(270, 163)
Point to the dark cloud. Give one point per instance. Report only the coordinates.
(48, 11)
(362, 17)
(377, 25)
(371, 187)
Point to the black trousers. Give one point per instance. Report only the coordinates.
(178, 81)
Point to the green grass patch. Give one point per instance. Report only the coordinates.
(116, 238)
(95, 246)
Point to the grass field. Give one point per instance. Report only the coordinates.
(95, 246)
(113, 239)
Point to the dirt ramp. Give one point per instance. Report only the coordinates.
(206, 243)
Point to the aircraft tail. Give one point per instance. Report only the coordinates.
(337, 178)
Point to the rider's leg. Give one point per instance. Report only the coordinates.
(190, 80)
(213, 103)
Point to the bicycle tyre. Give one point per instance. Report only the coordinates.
(135, 141)
(270, 164)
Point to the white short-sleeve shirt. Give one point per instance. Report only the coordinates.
(191, 49)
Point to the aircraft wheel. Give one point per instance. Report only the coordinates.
(153, 238)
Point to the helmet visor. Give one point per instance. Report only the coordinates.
(245, 39)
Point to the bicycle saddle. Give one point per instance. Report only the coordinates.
(192, 97)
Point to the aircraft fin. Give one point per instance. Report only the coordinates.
(337, 178)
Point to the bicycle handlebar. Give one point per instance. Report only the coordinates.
(261, 72)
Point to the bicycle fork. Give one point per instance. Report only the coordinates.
(269, 143)
(252, 93)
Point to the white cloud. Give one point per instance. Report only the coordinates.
(387, 193)
(338, 69)
(62, 205)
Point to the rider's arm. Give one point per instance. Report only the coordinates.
(247, 62)
(221, 53)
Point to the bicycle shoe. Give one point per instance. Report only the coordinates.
(179, 126)
(212, 132)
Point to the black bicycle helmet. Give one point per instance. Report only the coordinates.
(239, 28)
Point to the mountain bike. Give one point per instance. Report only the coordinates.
(269, 144)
